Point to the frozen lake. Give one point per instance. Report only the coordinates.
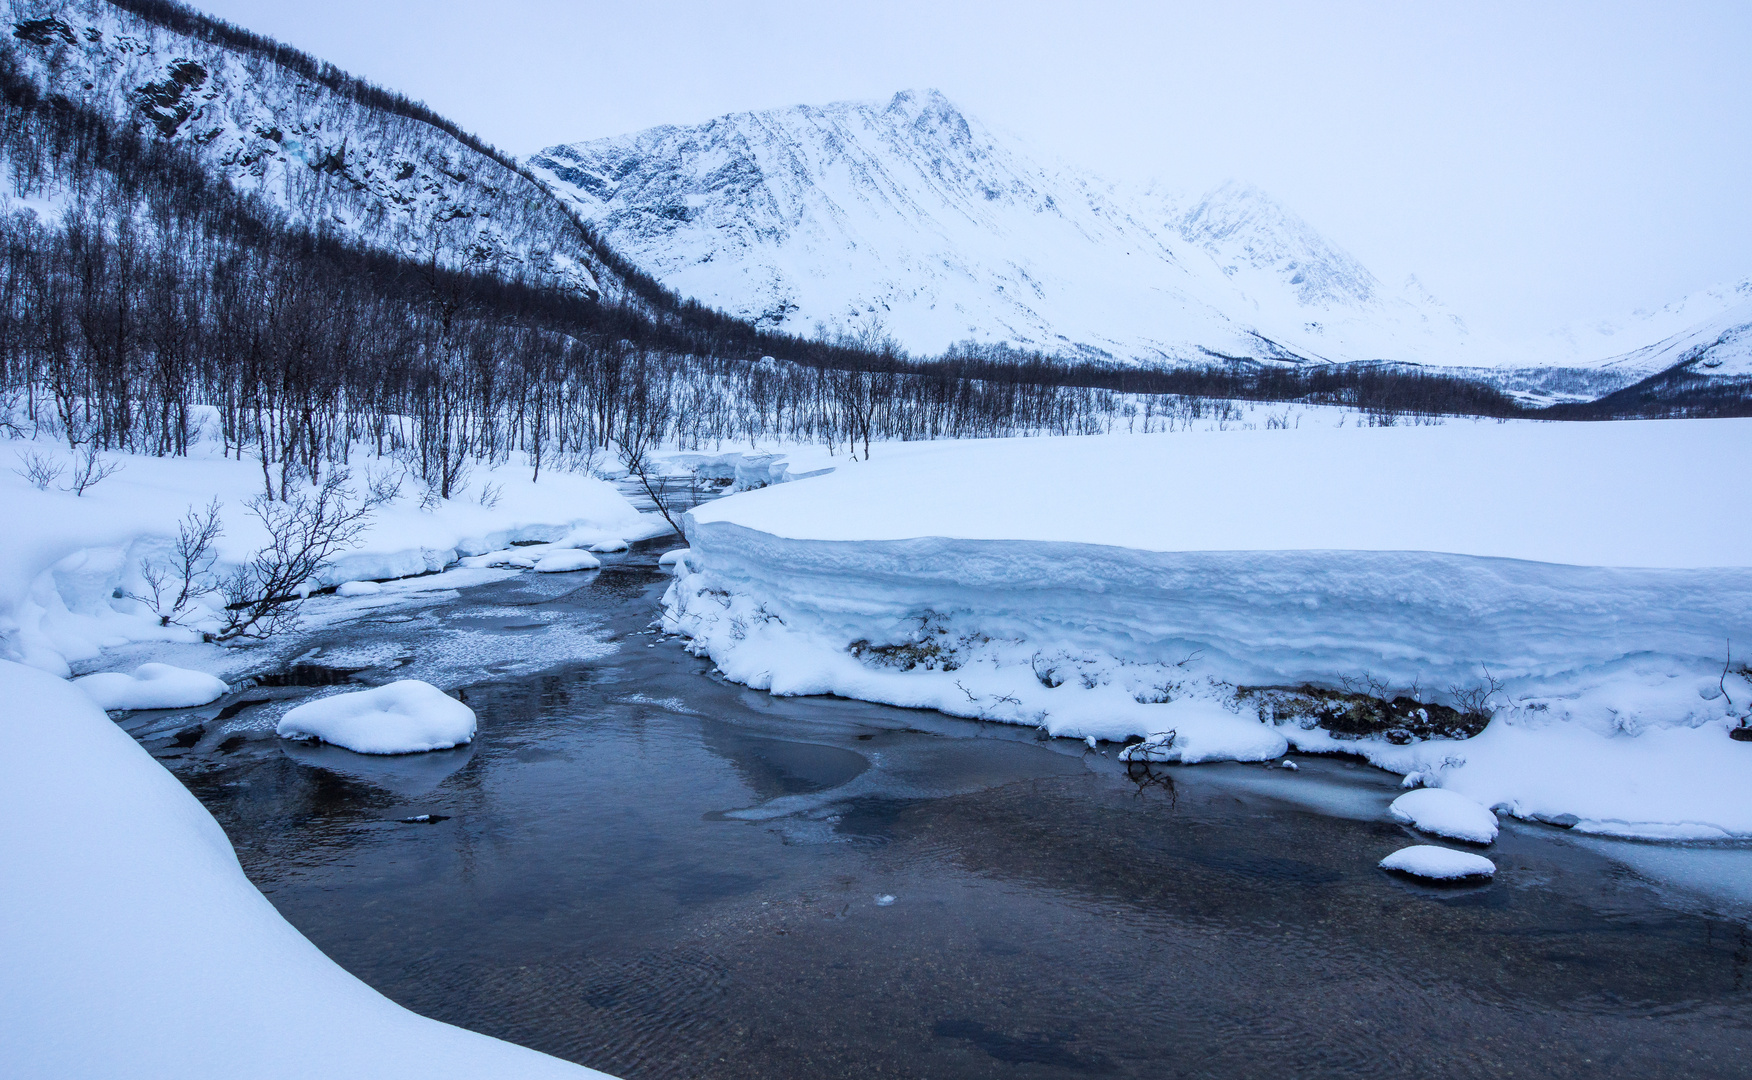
(646, 869)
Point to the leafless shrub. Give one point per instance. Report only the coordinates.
(173, 585)
(38, 469)
(90, 469)
(383, 488)
(1476, 702)
(305, 532)
(491, 494)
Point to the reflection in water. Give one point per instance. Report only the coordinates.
(646, 869)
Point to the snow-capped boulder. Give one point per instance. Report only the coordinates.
(358, 588)
(1445, 813)
(152, 686)
(403, 717)
(1439, 863)
(565, 560)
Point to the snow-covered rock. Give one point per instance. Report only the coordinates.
(403, 717)
(566, 560)
(1445, 813)
(1439, 864)
(123, 894)
(358, 588)
(152, 686)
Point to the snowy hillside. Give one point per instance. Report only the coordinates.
(912, 218)
(331, 160)
(1710, 331)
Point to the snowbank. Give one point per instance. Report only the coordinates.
(403, 717)
(67, 562)
(1445, 813)
(126, 904)
(1438, 863)
(1121, 586)
(152, 686)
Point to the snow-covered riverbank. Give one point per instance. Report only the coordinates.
(136, 947)
(1117, 586)
(66, 561)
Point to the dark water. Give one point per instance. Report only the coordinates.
(642, 868)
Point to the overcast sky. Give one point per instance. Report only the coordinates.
(1533, 163)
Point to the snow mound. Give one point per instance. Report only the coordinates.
(1445, 813)
(566, 560)
(403, 717)
(358, 588)
(152, 686)
(109, 844)
(1439, 863)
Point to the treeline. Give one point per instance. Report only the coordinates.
(149, 290)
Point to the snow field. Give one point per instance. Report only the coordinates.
(135, 899)
(1439, 863)
(1584, 578)
(403, 717)
(152, 686)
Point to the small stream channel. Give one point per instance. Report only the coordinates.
(643, 868)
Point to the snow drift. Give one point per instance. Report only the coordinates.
(126, 904)
(1584, 580)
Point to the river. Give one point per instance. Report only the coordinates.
(642, 867)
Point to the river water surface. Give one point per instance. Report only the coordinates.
(643, 868)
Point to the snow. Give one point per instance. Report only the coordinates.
(403, 717)
(563, 561)
(1445, 813)
(67, 563)
(152, 686)
(1119, 586)
(128, 904)
(358, 588)
(1439, 863)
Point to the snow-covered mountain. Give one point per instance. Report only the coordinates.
(1710, 331)
(332, 153)
(911, 217)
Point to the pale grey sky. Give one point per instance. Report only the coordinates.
(1533, 163)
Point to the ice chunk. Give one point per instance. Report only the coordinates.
(404, 717)
(1445, 813)
(152, 686)
(566, 559)
(358, 588)
(1438, 863)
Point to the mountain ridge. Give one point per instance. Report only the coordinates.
(961, 232)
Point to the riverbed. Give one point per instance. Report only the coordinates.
(644, 868)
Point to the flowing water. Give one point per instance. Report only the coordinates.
(643, 868)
